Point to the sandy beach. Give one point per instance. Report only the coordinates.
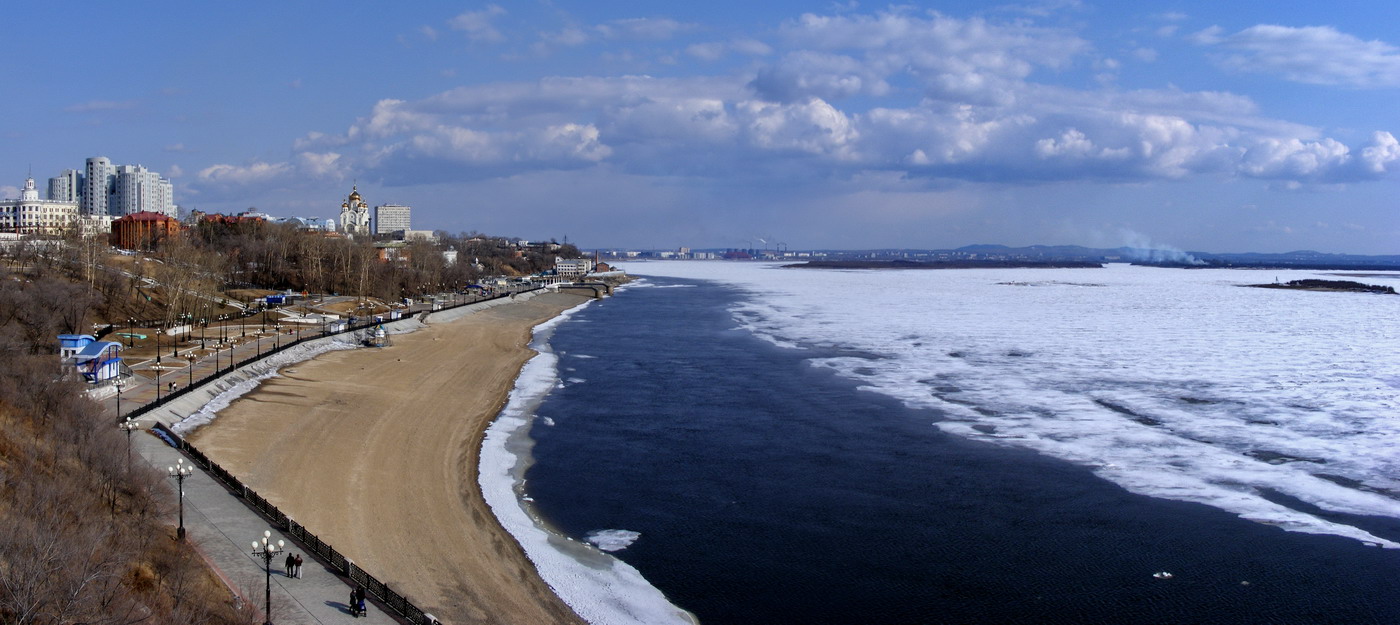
(376, 451)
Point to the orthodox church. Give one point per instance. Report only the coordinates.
(354, 214)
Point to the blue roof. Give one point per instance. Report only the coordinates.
(93, 350)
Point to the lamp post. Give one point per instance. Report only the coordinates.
(129, 322)
(190, 357)
(128, 425)
(266, 550)
(180, 471)
(157, 333)
(119, 395)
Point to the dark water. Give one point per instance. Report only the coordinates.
(769, 492)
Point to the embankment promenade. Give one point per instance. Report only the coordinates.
(375, 450)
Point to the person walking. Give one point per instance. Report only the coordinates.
(290, 565)
(299, 561)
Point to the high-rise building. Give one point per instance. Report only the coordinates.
(137, 189)
(391, 218)
(67, 186)
(105, 189)
(97, 186)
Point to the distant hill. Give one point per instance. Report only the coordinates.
(1165, 257)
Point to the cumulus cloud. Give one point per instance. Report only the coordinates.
(478, 25)
(1319, 55)
(915, 96)
(952, 59)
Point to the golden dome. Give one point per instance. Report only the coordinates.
(354, 193)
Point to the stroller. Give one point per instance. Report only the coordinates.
(357, 602)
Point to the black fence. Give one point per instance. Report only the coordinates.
(280, 345)
(298, 532)
(309, 541)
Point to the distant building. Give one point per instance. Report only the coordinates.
(311, 223)
(572, 268)
(67, 186)
(107, 189)
(136, 189)
(142, 231)
(95, 225)
(354, 214)
(31, 215)
(97, 186)
(390, 218)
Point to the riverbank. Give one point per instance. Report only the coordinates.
(377, 451)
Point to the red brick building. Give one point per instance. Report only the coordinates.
(143, 230)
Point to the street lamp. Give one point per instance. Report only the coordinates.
(129, 322)
(128, 425)
(266, 550)
(190, 357)
(180, 471)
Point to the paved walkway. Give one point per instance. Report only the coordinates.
(222, 527)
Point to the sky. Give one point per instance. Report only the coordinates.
(1207, 126)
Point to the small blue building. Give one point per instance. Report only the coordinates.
(70, 344)
(99, 361)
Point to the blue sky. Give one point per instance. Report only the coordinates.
(1212, 126)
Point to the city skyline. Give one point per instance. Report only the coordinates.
(1219, 127)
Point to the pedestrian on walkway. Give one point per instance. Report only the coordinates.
(299, 561)
(291, 565)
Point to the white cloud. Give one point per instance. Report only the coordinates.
(175, 171)
(428, 32)
(570, 36)
(478, 24)
(716, 50)
(952, 59)
(1382, 151)
(893, 94)
(320, 164)
(642, 28)
(812, 127)
(1319, 55)
(9, 192)
(253, 173)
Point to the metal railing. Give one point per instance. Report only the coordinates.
(309, 542)
(312, 335)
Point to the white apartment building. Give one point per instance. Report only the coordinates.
(97, 186)
(136, 189)
(389, 218)
(67, 186)
(106, 189)
(31, 215)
